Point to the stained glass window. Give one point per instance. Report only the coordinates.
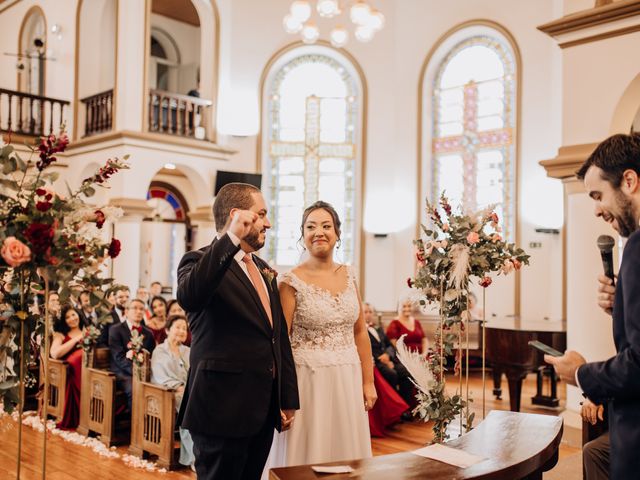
(313, 102)
(474, 120)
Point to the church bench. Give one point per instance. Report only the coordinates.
(153, 418)
(58, 370)
(514, 445)
(98, 397)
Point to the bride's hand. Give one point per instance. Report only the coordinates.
(370, 396)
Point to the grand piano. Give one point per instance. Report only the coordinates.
(508, 352)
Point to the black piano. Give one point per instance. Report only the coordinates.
(508, 352)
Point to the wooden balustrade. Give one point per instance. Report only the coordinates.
(98, 116)
(176, 114)
(31, 115)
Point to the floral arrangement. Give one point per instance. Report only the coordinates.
(45, 239)
(135, 351)
(90, 336)
(455, 247)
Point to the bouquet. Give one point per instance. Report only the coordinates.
(46, 238)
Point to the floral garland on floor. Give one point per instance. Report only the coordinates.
(454, 248)
(45, 239)
(32, 420)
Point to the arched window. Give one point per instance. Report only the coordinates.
(32, 52)
(312, 104)
(473, 145)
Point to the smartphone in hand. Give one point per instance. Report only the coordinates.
(545, 348)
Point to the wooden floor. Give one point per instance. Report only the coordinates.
(66, 461)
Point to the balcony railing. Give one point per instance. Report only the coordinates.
(98, 116)
(30, 115)
(176, 114)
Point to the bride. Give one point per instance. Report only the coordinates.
(331, 349)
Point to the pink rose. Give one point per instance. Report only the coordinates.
(140, 357)
(445, 227)
(129, 355)
(14, 252)
(507, 267)
(444, 243)
(517, 264)
(472, 238)
(496, 238)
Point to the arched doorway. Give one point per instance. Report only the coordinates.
(166, 235)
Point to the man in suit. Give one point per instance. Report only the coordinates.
(120, 336)
(88, 312)
(612, 179)
(242, 382)
(118, 312)
(386, 360)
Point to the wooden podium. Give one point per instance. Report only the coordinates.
(514, 445)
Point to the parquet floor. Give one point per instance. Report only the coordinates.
(66, 461)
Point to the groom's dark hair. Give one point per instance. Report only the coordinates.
(232, 195)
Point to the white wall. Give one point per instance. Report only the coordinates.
(97, 47)
(391, 65)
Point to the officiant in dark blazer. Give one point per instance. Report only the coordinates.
(242, 382)
(612, 179)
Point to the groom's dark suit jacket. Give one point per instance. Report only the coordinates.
(234, 348)
(617, 380)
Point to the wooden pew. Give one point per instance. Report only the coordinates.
(98, 396)
(153, 417)
(57, 387)
(514, 445)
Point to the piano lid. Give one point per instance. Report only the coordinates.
(526, 324)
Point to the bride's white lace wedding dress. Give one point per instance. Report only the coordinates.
(332, 424)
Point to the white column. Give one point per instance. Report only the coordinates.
(131, 90)
(202, 218)
(128, 229)
(589, 329)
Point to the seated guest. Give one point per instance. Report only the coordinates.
(155, 290)
(174, 308)
(388, 409)
(143, 294)
(66, 345)
(406, 324)
(386, 361)
(53, 306)
(118, 312)
(157, 323)
(170, 367)
(120, 336)
(87, 311)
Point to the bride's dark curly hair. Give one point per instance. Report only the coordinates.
(320, 205)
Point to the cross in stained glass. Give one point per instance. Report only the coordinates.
(312, 149)
(470, 141)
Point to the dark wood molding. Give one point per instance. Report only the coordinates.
(600, 15)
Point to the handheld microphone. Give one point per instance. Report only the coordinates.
(605, 245)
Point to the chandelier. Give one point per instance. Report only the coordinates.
(366, 19)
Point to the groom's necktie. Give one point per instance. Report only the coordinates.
(254, 275)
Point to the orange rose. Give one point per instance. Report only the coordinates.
(14, 252)
(473, 237)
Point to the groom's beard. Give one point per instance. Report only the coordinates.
(253, 239)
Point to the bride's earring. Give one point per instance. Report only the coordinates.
(339, 243)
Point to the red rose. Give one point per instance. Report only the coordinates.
(43, 206)
(410, 282)
(517, 264)
(40, 235)
(41, 191)
(114, 248)
(485, 282)
(100, 218)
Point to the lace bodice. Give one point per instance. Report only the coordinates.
(322, 330)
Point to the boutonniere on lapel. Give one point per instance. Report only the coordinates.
(269, 274)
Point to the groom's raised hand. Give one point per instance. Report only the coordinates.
(242, 222)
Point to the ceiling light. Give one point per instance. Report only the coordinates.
(364, 34)
(291, 24)
(360, 12)
(328, 8)
(339, 37)
(300, 10)
(310, 32)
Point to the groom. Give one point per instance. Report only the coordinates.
(242, 383)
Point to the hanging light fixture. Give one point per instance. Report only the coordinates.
(339, 36)
(366, 20)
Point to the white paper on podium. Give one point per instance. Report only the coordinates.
(451, 456)
(332, 469)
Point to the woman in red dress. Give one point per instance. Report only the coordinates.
(158, 321)
(67, 345)
(407, 325)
